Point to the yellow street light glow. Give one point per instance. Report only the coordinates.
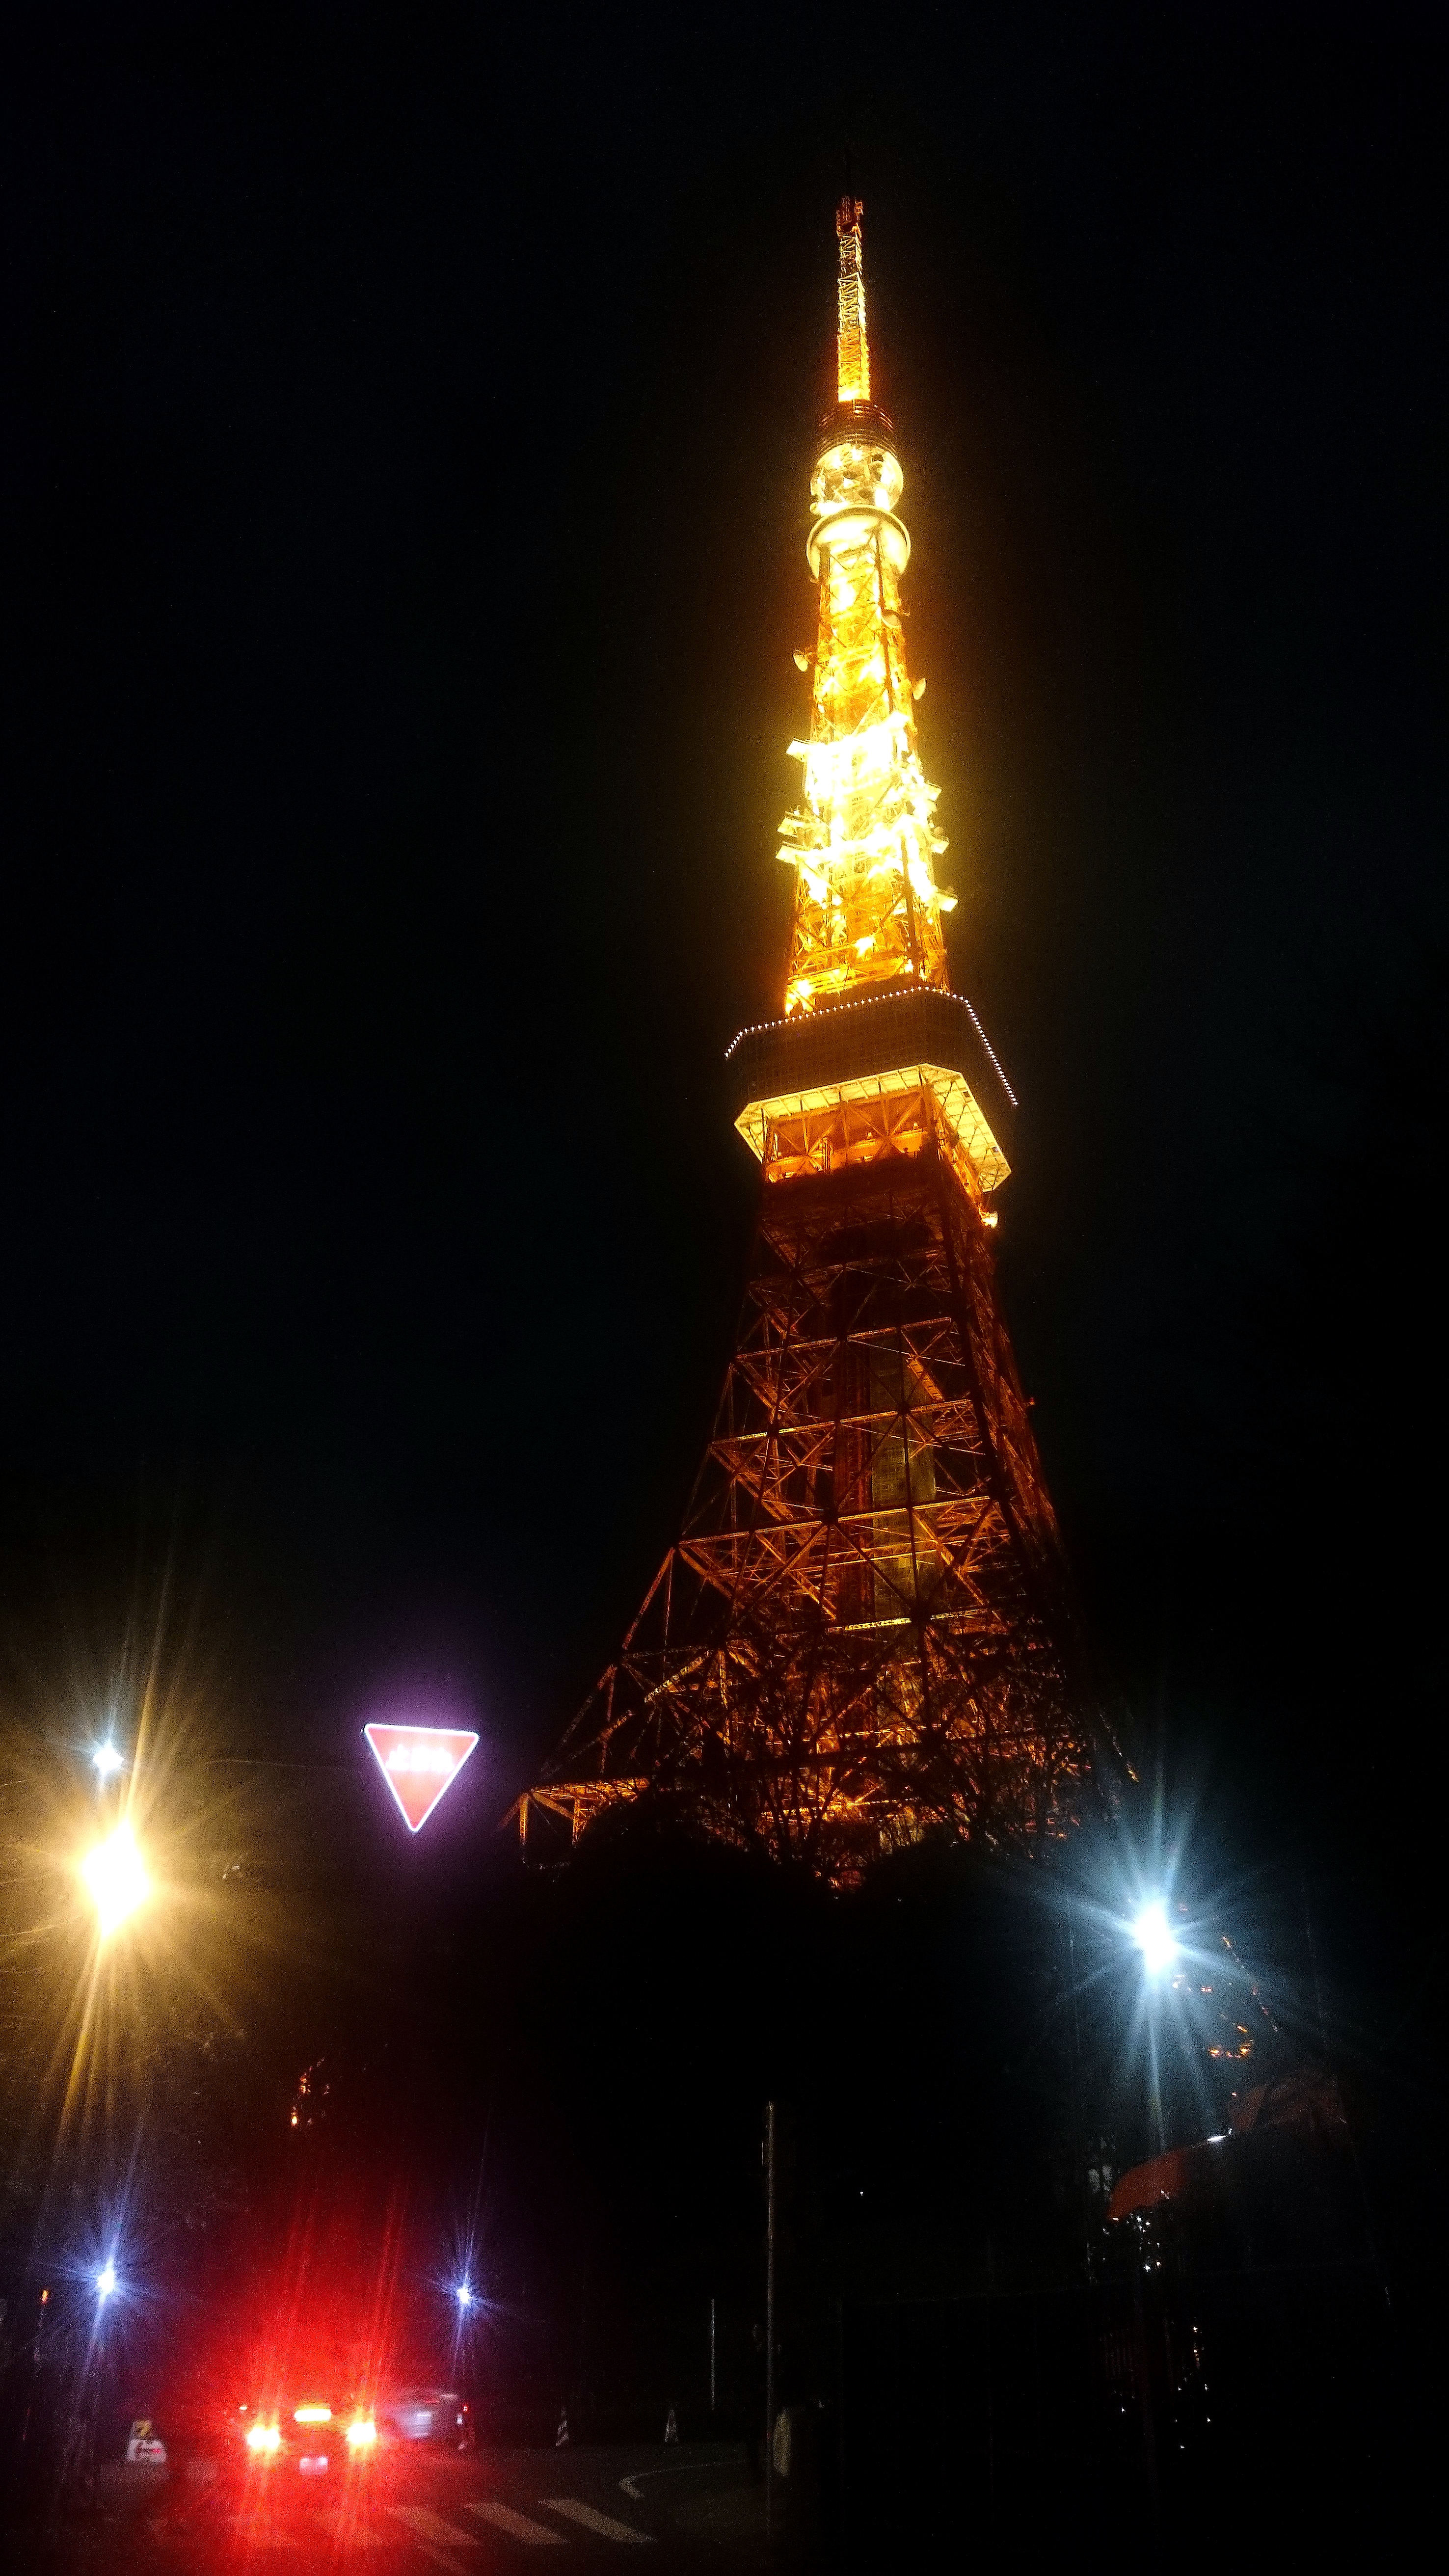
(116, 1877)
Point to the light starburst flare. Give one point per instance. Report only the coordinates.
(117, 1879)
(1155, 1938)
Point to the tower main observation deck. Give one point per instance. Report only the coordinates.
(863, 1634)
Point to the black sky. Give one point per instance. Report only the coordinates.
(406, 447)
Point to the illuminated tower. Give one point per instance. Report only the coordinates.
(863, 1633)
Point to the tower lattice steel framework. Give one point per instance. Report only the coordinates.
(864, 1631)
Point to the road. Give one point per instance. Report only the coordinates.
(692, 2507)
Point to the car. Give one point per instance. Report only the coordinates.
(310, 2430)
(427, 2415)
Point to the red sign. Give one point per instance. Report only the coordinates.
(419, 1763)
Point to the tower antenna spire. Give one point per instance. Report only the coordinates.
(852, 345)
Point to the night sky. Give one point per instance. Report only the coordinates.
(407, 432)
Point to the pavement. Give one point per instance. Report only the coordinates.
(691, 2507)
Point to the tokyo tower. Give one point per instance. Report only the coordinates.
(863, 1634)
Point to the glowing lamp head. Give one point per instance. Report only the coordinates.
(264, 2439)
(361, 2433)
(106, 2282)
(1155, 1938)
(116, 1876)
(107, 1760)
(464, 2294)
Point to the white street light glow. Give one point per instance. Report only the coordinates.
(1155, 1938)
(106, 2281)
(107, 1760)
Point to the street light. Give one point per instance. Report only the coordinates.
(107, 1761)
(1159, 1945)
(116, 1877)
(1155, 1938)
(106, 2283)
(464, 2294)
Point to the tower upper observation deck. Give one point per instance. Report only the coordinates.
(814, 1090)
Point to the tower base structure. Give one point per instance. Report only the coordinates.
(864, 1634)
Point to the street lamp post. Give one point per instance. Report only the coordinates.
(771, 2125)
(1159, 1946)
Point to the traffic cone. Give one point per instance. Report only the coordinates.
(561, 2436)
(671, 2429)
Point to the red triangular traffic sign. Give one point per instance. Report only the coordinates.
(419, 1763)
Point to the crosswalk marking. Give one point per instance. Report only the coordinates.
(261, 2532)
(431, 2526)
(592, 2520)
(348, 2530)
(517, 2525)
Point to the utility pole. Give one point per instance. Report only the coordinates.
(1313, 1962)
(1079, 2125)
(1157, 2134)
(712, 2379)
(770, 2162)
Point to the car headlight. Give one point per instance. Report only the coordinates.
(361, 2433)
(263, 2438)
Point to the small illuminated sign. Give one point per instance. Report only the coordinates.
(419, 1763)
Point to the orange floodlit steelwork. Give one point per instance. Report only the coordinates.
(852, 359)
(863, 839)
(863, 1633)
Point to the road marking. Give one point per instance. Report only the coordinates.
(261, 2532)
(592, 2520)
(431, 2526)
(349, 2530)
(680, 2469)
(517, 2525)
